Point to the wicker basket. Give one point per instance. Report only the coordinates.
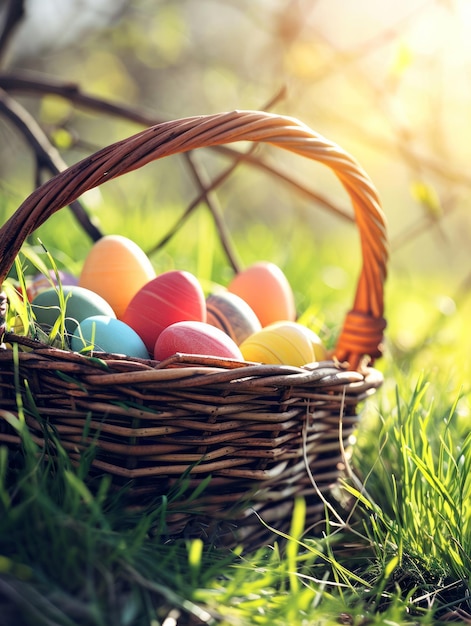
(261, 435)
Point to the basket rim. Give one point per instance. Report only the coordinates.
(180, 370)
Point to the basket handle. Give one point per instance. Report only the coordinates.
(364, 325)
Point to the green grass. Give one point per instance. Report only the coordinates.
(401, 554)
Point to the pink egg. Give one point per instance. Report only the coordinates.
(173, 296)
(195, 338)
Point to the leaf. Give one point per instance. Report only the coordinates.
(427, 196)
(402, 60)
(390, 566)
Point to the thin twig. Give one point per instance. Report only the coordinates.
(213, 205)
(216, 182)
(206, 187)
(319, 199)
(27, 83)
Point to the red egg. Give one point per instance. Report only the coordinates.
(171, 297)
(195, 338)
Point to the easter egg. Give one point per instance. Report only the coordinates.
(319, 350)
(173, 296)
(192, 337)
(280, 343)
(116, 268)
(40, 282)
(108, 334)
(234, 316)
(267, 291)
(79, 304)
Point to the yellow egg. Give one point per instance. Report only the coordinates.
(280, 343)
(320, 351)
(116, 268)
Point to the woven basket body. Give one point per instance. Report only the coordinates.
(256, 436)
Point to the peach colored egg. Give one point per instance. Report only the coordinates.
(234, 316)
(116, 268)
(195, 338)
(280, 343)
(267, 291)
(173, 296)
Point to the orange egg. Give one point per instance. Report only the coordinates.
(267, 291)
(195, 338)
(230, 313)
(280, 343)
(116, 268)
(173, 296)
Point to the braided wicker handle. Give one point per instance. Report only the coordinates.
(363, 327)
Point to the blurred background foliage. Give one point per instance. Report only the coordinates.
(387, 81)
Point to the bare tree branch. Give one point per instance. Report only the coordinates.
(212, 204)
(14, 14)
(47, 157)
(25, 83)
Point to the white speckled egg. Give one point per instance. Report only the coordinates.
(232, 314)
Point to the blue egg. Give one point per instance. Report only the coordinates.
(108, 334)
(80, 303)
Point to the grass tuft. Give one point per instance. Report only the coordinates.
(414, 504)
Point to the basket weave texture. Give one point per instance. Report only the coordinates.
(260, 435)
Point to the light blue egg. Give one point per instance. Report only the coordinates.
(80, 303)
(108, 334)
